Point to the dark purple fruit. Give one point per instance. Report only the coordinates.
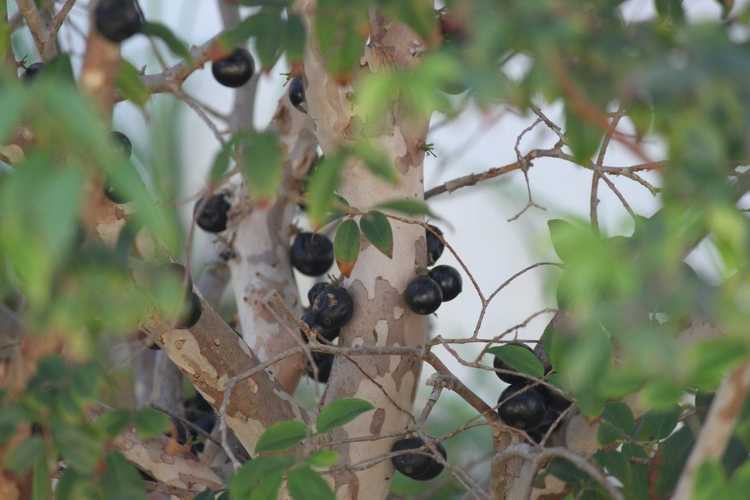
(333, 308)
(32, 71)
(115, 195)
(323, 361)
(509, 378)
(197, 407)
(522, 410)
(423, 295)
(420, 465)
(118, 20)
(316, 289)
(329, 334)
(212, 214)
(297, 93)
(448, 280)
(123, 143)
(235, 70)
(435, 247)
(312, 254)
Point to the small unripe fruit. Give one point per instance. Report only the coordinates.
(435, 247)
(521, 407)
(329, 334)
(333, 308)
(423, 295)
(118, 20)
(420, 465)
(123, 143)
(32, 71)
(509, 378)
(212, 214)
(297, 94)
(234, 70)
(324, 362)
(312, 254)
(449, 281)
(316, 289)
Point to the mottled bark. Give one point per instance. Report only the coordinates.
(377, 282)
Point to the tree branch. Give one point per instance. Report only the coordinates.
(33, 19)
(717, 429)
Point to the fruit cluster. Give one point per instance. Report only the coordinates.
(425, 293)
(525, 404)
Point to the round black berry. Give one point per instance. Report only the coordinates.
(312, 254)
(333, 307)
(234, 70)
(435, 247)
(316, 289)
(448, 280)
(211, 214)
(522, 410)
(197, 407)
(123, 143)
(420, 465)
(323, 362)
(115, 195)
(118, 20)
(329, 334)
(297, 93)
(423, 295)
(509, 378)
(32, 71)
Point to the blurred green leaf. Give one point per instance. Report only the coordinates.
(406, 206)
(323, 183)
(150, 423)
(130, 85)
(582, 137)
(281, 436)
(262, 164)
(41, 488)
(172, 41)
(122, 480)
(306, 484)
(519, 359)
(26, 454)
(323, 459)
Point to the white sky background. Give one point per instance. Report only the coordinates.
(493, 248)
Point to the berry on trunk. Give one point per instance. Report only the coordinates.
(316, 289)
(118, 20)
(423, 295)
(212, 213)
(522, 410)
(123, 143)
(448, 280)
(312, 254)
(420, 465)
(234, 70)
(323, 361)
(435, 247)
(329, 334)
(333, 308)
(297, 94)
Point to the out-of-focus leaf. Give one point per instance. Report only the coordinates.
(130, 85)
(323, 183)
(172, 41)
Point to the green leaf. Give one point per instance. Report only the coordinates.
(341, 412)
(122, 480)
(407, 206)
(670, 9)
(113, 422)
(281, 436)
(562, 234)
(654, 425)
(41, 489)
(378, 231)
(295, 36)
(80, 449)
(262, 164)
(709, 482)
(266, 27)
(26, 454)
(346, 246)
(320, 190)
(130, 85)
(323, 459)
(162, 32)
(583, 138)
(150, 422)
(519, 359)
(253, 475)
(306, 484)
(619, 415)
(376, 161)
(337, 25)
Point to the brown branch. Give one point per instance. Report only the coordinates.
(50, 47)
(717, 429)
(33, 19)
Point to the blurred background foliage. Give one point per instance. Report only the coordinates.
(628, 299)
